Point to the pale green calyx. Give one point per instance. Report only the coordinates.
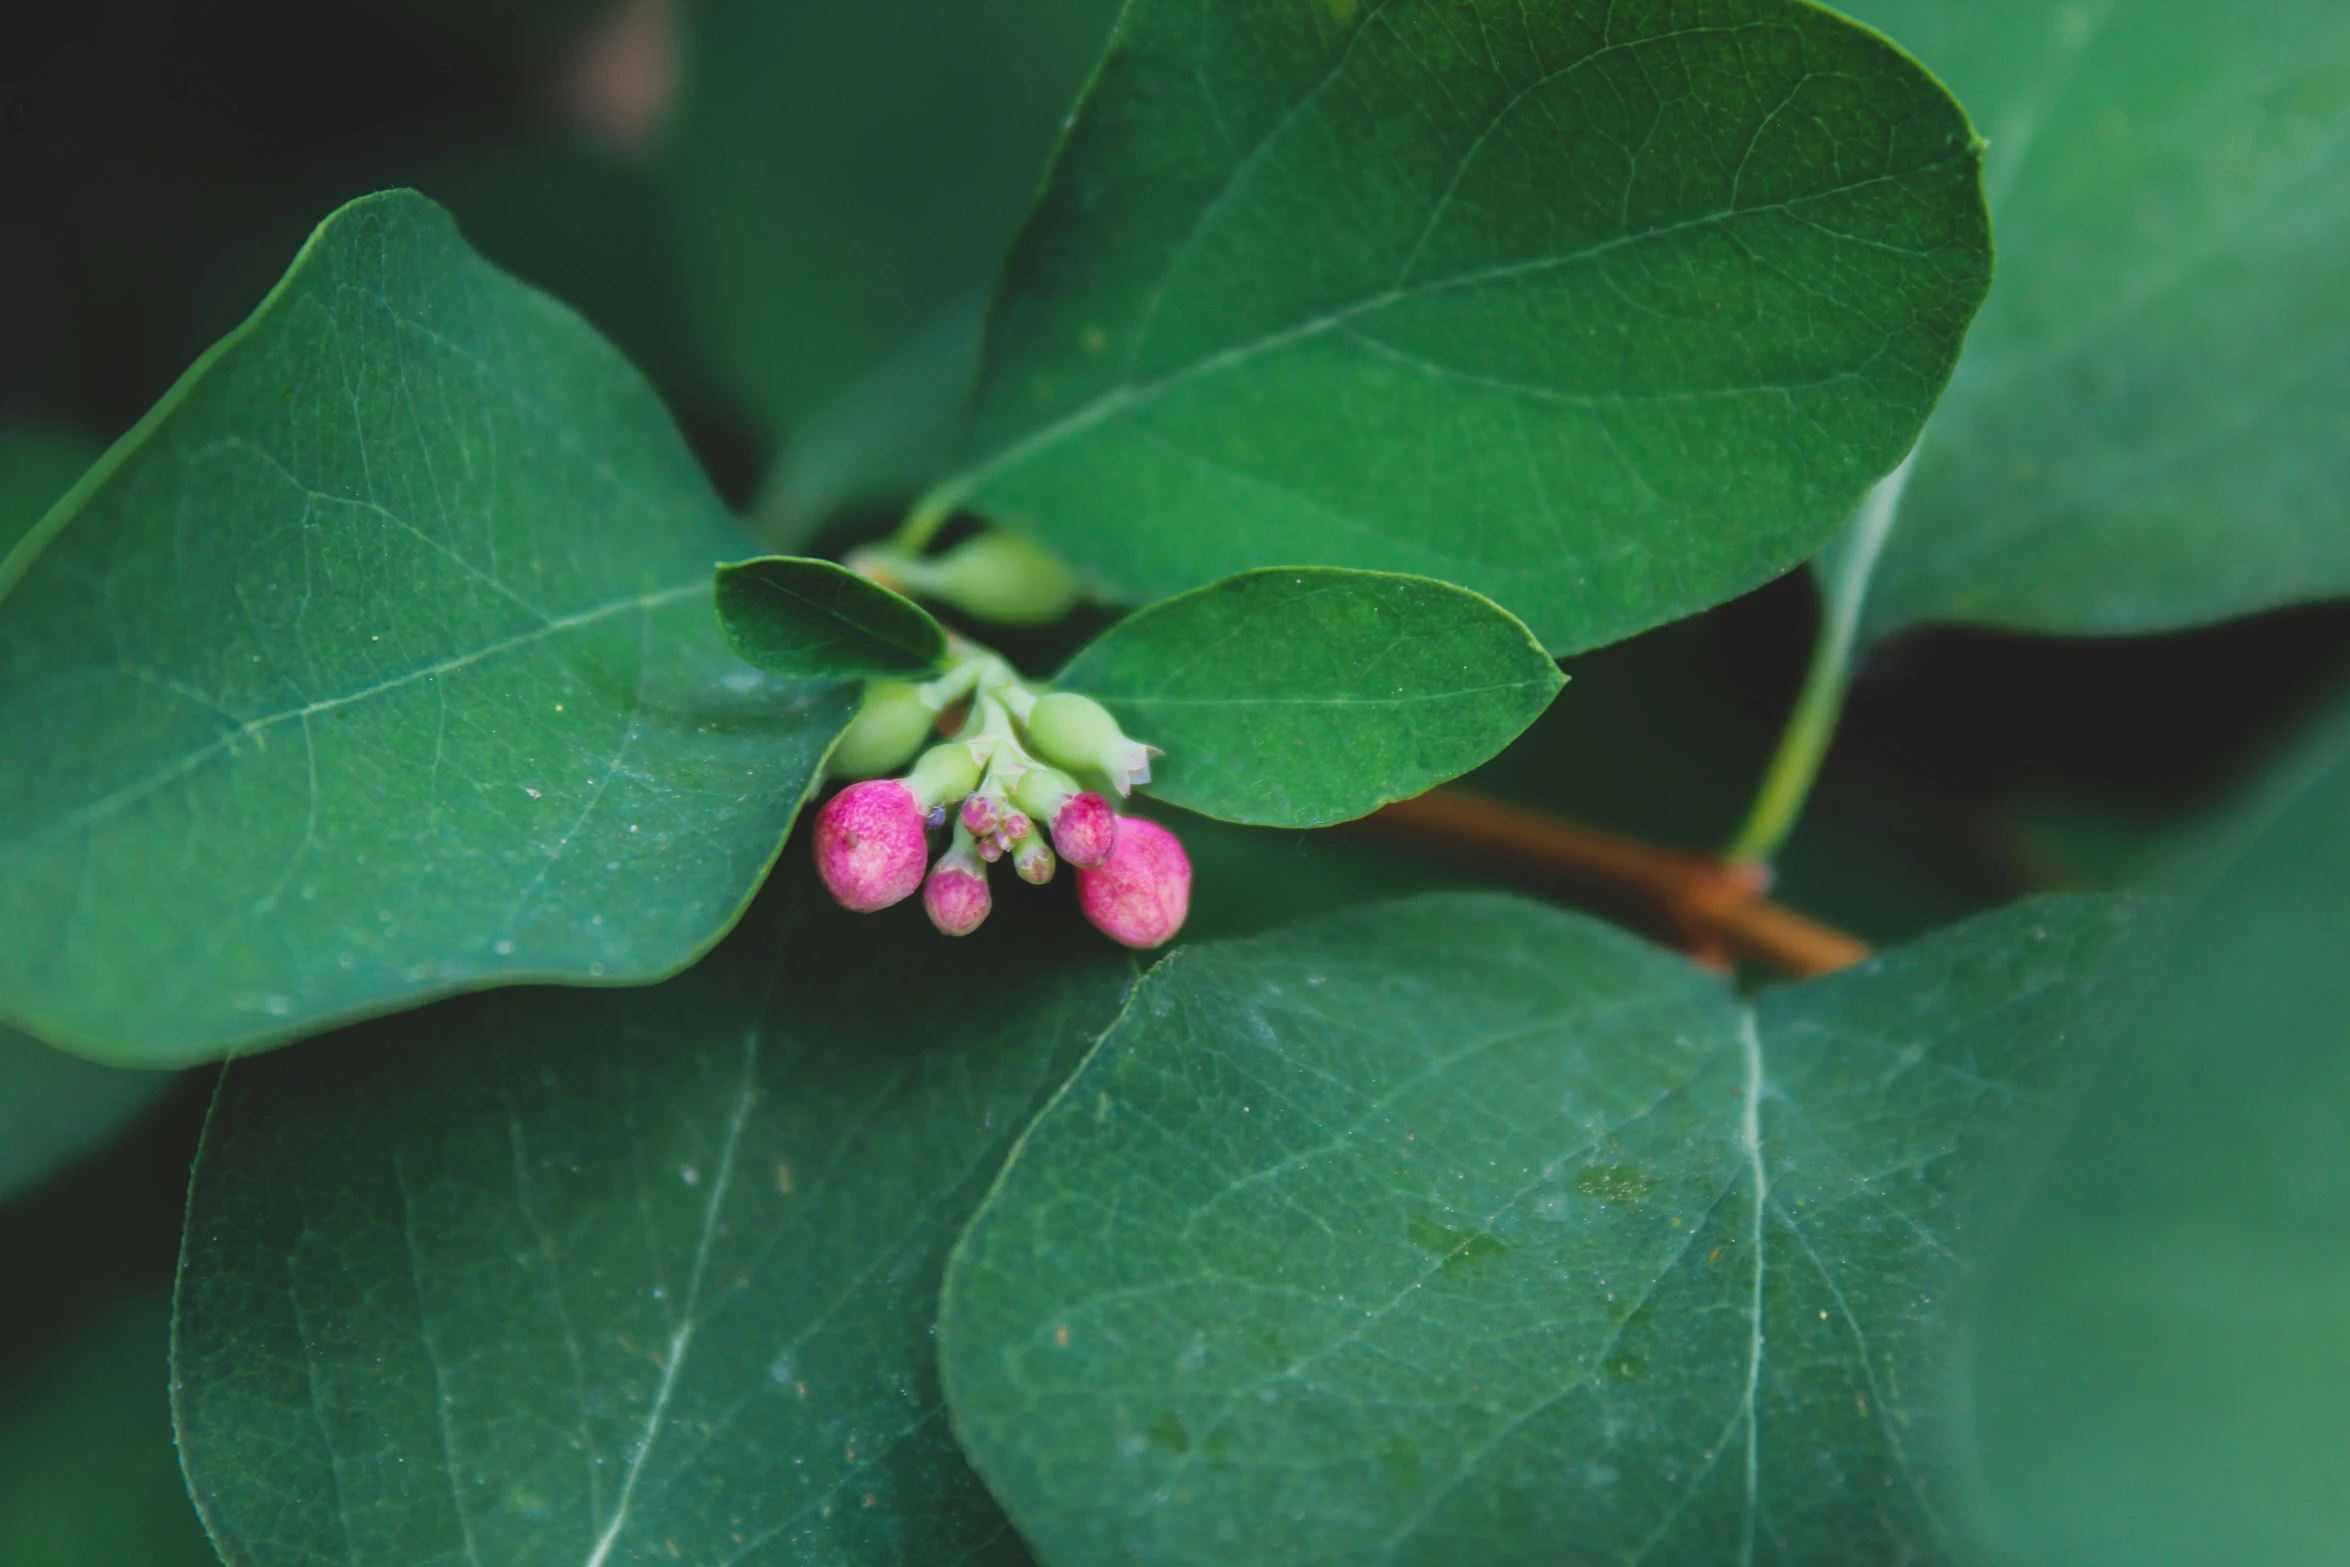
(1043, 790)
(1078, 733)
(945, 774)
(888, 729)
(995, 576)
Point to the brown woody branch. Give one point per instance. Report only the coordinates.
(1710, 907)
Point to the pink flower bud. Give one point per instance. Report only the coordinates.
(980, 814)
(991, 847)
(1085, 830)
(870, 846)
(956, 896)
(1015, 826)
(1140, 897)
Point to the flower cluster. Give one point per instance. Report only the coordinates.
(1002, 787)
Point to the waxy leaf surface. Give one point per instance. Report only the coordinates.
(1607, 312)
(2164, 1378)
(1466, 1230)
(1298, 697)
(378, 663)
(2148, 429)
(622, 1276)
(813, 620)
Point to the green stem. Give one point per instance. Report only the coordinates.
(1844, 584)
(930, 514)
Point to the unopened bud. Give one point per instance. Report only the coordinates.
(870, 844)
(956, 896)
(1032, 860)
(945, 774)
(1086, 830)
(1077, 732)
(1141, 896)
(1001, 577)
(887, 731)
(980, 814)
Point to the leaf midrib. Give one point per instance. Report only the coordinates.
(129, 795)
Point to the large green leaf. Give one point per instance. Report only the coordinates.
(2165, 1376)
(52, 1107)
(36, 466)
(55, 1107)
(1299, 697)
(1606, 312)
(378, 663)
(1468, 1231)
(2148, 429)
(848, 175)
(604, 1277)
(803, 619)
(87, 1474)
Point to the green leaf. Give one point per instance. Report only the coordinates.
(52, 1107)
(36, 466)
(87, 1473)
(1607, 313)
(814, 620)
(847, 173)
(631, 1276)
(1297, 698)
(55, 1107)
(377, 663)
(2164, 1380)
(1465, 1230)
(2147, 429)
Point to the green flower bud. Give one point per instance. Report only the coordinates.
(995, 576)
(1077, 732)
(1000, 577)
(884, 735)
(1041, 792)
(945, 774)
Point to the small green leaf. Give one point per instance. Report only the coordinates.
(1465, 1230)
(377, 663)
(623, 1276)
(1298, 697)
(87, 1473)
(55, 1107)
(1609, 313)
(2164, 1380)
(814, 620)
(2147, 430)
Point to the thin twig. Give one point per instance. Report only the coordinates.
(1711, 907)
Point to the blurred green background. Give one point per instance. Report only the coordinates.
(788, 212)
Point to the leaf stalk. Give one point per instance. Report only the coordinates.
(1711, 908)
(1843, 573)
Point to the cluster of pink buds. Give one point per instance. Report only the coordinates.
(1002, 787)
